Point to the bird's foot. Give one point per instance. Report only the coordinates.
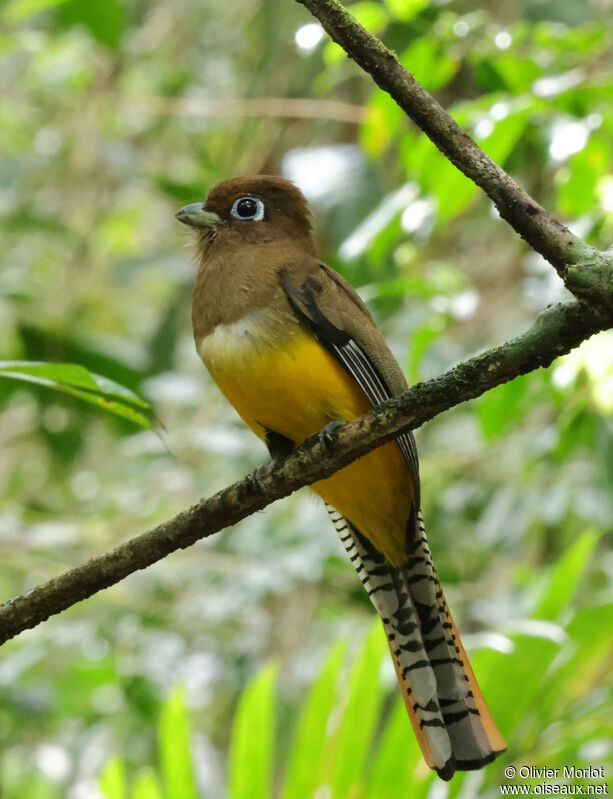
(327, 436)
(258, 475)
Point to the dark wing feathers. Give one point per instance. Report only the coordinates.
(344, 326)
(361, 368)
(303, 296)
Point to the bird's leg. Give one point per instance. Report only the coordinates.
(279, 447)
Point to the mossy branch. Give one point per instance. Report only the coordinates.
(555, 332)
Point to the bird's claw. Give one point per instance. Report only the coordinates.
(256, 478)
(327, 436)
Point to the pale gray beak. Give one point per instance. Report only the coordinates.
(195, 216)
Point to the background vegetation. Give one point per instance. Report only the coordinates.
(113, 115)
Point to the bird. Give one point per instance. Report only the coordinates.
(294, 349)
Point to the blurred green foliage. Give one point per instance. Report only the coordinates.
(113, 115)
(351, 735)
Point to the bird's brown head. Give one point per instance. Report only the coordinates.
(250, 210)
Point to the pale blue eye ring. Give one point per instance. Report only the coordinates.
(248, 209)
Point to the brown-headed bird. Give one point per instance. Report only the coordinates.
(293, 348)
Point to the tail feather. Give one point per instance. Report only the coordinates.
(453, 725)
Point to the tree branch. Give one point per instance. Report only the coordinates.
(592, 276)
(587, 272)
(555, 332)
(232, 108)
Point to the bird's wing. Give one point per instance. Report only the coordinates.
(344, 326)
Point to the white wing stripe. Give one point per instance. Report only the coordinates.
(361, 369)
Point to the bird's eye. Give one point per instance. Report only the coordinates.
(248, 209)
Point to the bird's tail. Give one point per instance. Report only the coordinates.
(453, 725)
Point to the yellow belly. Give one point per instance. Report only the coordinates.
(295, 390)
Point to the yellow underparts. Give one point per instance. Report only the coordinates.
(295, 390)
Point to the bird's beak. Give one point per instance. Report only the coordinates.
(194, 215)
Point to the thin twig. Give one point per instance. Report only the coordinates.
(592, 270)
(240, 108)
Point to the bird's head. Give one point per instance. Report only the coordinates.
(250, 210)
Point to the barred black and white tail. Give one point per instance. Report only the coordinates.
(453, 725)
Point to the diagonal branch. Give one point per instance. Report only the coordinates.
(587, 272)
(555, 332)
(591, 278)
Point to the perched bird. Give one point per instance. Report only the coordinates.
(293, 348)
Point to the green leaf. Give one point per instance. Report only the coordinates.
(106, 21)
(383, 120)
(577, 194)
(421, 339)
(564, 578)
(428, 60)
(488, 76)
(406, 9)
(588, 655)
(333, 54)
(308, 745)
(174, 742)
(517, 74)
(180, 191)
(395, 773)
(20, 10)
(42, 343)
(147, 786)
(77, 381)
(347, 752)
(525, 666)
(68, 373)
(372, 16)
(507, 132)
(113, 780)
(252, 746)
(501, 407)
